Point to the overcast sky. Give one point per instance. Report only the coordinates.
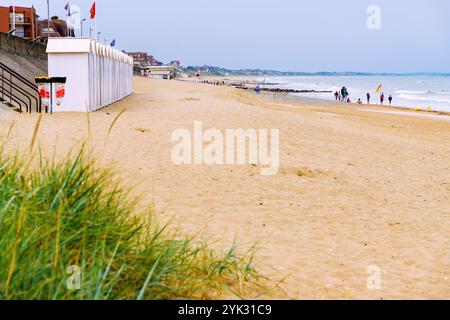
(297, 35)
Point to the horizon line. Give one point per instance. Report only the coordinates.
(441, 73)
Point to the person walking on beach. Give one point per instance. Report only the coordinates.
(368, 98)
(390, 99)
(382, 98)
(336, 95)
(344, 94)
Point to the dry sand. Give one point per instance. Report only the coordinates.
(355, 188)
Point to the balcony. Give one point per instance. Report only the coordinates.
(20, 21)
(23, 34)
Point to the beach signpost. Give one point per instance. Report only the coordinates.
(47, 86)
(44, 89)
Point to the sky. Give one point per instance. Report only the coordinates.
(287, 35)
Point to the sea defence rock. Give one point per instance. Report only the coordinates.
(280, 90)
(270, 87)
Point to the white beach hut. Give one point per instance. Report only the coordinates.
(97, 75)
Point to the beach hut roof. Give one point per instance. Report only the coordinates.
(68, 45)
(77, 45)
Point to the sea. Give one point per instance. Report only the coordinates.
(427, 92)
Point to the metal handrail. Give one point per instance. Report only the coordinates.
(21, 90)
(22, 78)
(13, 74)
(7, 87)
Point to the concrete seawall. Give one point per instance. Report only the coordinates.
(25, 57)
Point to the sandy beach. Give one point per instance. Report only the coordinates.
(358, 186)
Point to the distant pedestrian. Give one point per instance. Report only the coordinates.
(258, 89)
(368, 98)
(382, 99)
(344, 94)
(359, 101)
(336, 95)
(390, 100)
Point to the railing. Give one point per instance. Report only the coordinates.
(19, 20)
(17, 91)
(23, 34)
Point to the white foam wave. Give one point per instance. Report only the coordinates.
(419, 98)
(410, 92)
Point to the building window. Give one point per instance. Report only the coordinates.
(20, 32)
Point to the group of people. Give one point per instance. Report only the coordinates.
(215, 83)
(344, 96)
(382, 98)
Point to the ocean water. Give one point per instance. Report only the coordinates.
(425, 92)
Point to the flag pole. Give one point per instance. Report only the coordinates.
(95, 17)
(14, 21)
(48, 19)
(67, 20)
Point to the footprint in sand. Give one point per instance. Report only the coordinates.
(309, 173)
(190, 99)
(142, 130)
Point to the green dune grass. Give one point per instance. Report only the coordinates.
(67, 231)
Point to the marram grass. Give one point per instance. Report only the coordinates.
(68, 232)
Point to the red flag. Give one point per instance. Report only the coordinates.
(93, 11)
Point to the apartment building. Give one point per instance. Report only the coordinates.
(21, 21)
(143, 59)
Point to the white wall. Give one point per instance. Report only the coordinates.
(110, 80)
(77, 86)
(97, 75)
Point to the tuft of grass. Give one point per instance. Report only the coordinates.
(67, 231)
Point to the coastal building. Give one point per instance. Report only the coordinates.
(175, 63)
(159, 72)
(143, 59)
(21, 19)
(58, 28)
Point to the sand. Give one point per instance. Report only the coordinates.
(355, 188)
(412, 114)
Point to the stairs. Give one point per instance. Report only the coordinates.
(7, 105)
(18, 92)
